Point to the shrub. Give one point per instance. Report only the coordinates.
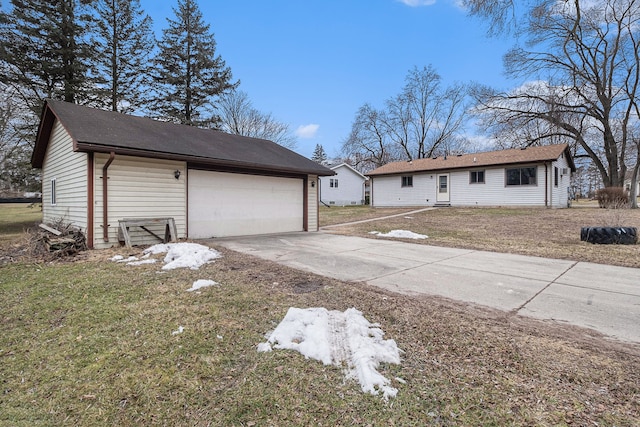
(612, 198)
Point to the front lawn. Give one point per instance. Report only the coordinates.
(552, 233)
(94, 342)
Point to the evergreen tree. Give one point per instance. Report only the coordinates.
(43, 50)
(319, 155)
(188, 73)
(124, 42)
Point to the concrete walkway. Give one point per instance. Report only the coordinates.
(600, 297)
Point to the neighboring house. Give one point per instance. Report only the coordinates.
(535, 176)
(627, 183)
(99, 167)
(346, 187)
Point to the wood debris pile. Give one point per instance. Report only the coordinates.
(58, 240)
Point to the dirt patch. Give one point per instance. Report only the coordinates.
(306, 287)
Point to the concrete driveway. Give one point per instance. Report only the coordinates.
(600, 297)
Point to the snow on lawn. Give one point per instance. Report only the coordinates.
(183, 255)
(334, 338)
(201, 283)
(400, 234)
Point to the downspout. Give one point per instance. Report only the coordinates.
(546, 185)
(105, 206)
(90, 199)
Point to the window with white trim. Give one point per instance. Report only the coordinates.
(521, 176)
(476, 177)
(407, 181)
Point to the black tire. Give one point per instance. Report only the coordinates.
(609, 235)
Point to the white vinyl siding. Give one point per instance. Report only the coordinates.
(350, 190)
(139, 188)
(312, 203)
(232, 204)
(559, 196)
(68, 170)
(494, 191)
(387, 191)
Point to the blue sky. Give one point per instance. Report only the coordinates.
(313, 63)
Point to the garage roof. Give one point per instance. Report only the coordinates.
(486, 159)
(94, 130)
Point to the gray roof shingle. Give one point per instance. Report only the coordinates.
(94, 130)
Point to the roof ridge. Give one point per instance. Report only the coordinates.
(479, 159)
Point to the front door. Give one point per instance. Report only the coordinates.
(442, 194)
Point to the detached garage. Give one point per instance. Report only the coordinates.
(100, 168)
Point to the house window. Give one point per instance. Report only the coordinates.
(53, 192)
(521, 176)
(407, 181)
(476, 177)
(333, 183)
(555, 176)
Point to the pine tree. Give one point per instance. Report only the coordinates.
(188, 73)
(124, 42)
(319, 155)
(43, 50)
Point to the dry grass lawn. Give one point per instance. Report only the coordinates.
(89, 342)
(552, 233)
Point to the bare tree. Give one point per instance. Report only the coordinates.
(584, 56)
(238, 116)
(15, 147)
(368, 144)
(424, 117)
(424, 120)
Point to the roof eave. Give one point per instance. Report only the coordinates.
(224, 163)
(433, 170)
(47, 119)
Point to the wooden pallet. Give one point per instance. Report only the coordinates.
(170, 231)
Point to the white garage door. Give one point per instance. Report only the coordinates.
(227, 204)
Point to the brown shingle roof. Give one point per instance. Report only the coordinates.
(489, 158)
(94, 130)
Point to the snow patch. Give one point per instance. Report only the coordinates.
(143, 261)
(400, 234)
(184, 255)
(337, 338)
(120, 258)
(201, 283)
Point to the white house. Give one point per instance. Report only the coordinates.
(346, 187)
(533, 176)
(627, 183)
(101, 167)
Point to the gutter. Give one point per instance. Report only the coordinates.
(105, 198)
